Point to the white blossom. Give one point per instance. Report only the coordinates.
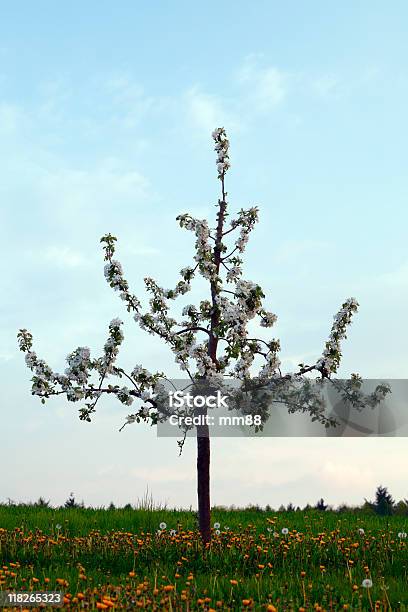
(233, 274)
(74, 394)
(30, 359)
(330, 359)
(268, 319)
(116, 323)
(124, 396)
(221, 146)
(223, 320)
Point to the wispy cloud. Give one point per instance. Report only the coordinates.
(140, 249)
(291, 362)
(265, 87)
(206, 111)
(162, 474)
(347, 475)
(128, 99)
(254, 89)
(399, 276)
(72, 191)
(10, 117)
(291, 250)
(63, 257)
(326, 85)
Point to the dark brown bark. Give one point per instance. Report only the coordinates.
(203, 437)
(203, 485)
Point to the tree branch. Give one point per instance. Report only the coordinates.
(188, 329)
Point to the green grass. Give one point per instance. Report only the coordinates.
(106, 545)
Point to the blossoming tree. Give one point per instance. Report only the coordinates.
(211, 342)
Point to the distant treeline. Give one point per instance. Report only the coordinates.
(383, 505)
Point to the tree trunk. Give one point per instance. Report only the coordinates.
(203, 434)
(203, 482)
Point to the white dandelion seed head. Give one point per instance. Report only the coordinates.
(285, 531)
(163, 526)
(367, 583)
(217, 525)
(58, 526)
(217, 532)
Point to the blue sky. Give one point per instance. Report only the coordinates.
(106, 113)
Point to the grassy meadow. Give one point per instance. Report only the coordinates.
(258, 560)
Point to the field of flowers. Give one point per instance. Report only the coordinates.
(154, 560)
